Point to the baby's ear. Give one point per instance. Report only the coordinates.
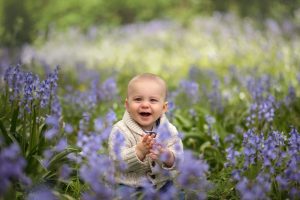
(126, 104)
(165, 107)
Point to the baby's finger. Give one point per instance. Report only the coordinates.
(145, 138)
(154, 151)
(153, 156)
(152, 143)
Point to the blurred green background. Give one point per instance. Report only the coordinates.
(23, 21)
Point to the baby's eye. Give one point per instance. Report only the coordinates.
(153, 100)
(137, 99)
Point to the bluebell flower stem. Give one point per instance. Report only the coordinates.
(14, 118)
(24, 136)
(33, 130)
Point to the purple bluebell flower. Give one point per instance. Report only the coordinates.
(68, 128)
(53, 123)
(53, 78)
(262, 111)
(12, 166)
(41, 192)
(252, 145)
(258, 87)
(51, 133)
(47, 88)
(272, 149)
(169, 194)
(210, 119)
(118, 144)
(56, 107)
(149, 192)
(163, 134)
(108, 90)
(283, 182)
(231, 156)
(61, 145)
(291, 172)
(14, 78)
(98, 124)
(191, 89)
(84, 122)
(294, 142)
(43, 93)
(294, 192)
(47, 154)
(65, 172)
(164, 156)
(229, 138)
(99, 175)
(171, 105)
(87, 100)
(30, 86)
(192, 112)
(215, 97)
(291, 96)
(236, 174)
(125, 192)
(111, 117)
(216, 139)
(90, 144)
(254, 189)
(193, 174)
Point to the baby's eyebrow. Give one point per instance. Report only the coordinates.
(155, 97)
(137, 96)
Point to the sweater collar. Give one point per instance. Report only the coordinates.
(133, 126)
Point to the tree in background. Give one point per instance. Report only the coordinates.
(16, 22)
(22, 21)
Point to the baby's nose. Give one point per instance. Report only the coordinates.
(145, 104)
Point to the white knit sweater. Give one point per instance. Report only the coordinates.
(137, 171)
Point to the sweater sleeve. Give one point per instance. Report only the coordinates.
(122, 151)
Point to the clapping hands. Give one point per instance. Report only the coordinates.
(156, 151)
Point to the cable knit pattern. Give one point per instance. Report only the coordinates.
(136, 170)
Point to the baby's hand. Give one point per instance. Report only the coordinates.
(143, 147)
(158, 152)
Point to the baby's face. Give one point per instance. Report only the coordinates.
(146, 102)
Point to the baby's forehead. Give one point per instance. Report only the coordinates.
(148, 80)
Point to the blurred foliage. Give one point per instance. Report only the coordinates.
(22, 21)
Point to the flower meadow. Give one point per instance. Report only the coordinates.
(234, 98)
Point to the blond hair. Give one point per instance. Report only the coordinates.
(152, 77)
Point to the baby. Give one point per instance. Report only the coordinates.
(144, 146)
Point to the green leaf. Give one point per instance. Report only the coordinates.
(33, 136)
(193, 135)
(14, 120)
(42, 143)
(63, 196)
(4, 133)
(183, 121)
(205, 145)
(58, 160)
(61, 156)
(40, 161)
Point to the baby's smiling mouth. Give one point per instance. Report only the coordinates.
(145, 114)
